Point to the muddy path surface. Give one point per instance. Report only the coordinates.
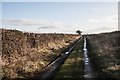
(89, 71)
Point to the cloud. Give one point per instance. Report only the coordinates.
(101, 29)
(47, 27)
(34, 25)
(111, 18)
(34, 22)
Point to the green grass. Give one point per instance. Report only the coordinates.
(73, 66)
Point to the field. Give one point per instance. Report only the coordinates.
(104, 52)
(30, 52)
(24, 54)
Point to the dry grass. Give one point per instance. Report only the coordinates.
(29, 52)
(105, 49)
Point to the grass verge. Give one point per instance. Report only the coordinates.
(72, 69)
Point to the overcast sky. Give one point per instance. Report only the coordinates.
(62, 17)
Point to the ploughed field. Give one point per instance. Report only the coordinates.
(26, 53)
(104, 51)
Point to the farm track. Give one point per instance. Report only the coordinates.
(51, 69)
(78, 65)
(72, 69)
(89, 72)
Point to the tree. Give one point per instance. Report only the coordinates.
(79, 32)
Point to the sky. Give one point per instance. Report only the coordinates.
(60, 17)
(59, 0)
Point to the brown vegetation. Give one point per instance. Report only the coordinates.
(29, 52)
(105, 53)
